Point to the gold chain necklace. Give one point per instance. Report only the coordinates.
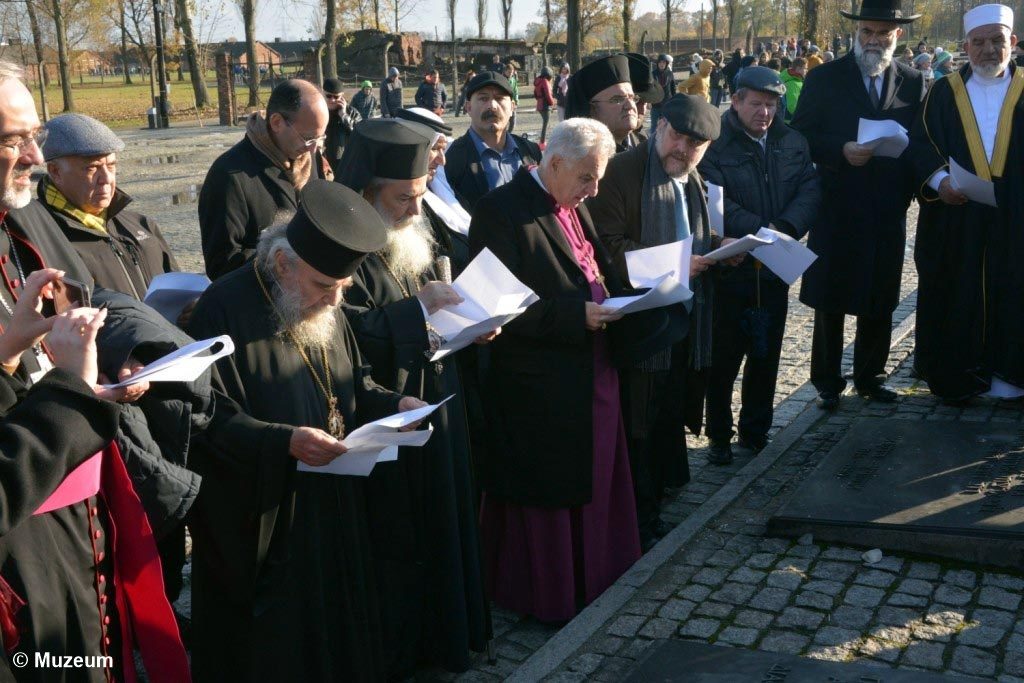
(335, 421)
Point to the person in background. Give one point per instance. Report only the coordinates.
(700, 83)
(460, 104)
(813, 57)
(390, 94)
(694, 66)
(364, 101)
(793, 79)
(717, 79)
(827, 56)
(942, 64)
(545, 100)
(732, 68)
(561, 90)
(510, 74)
(343, 118)
(431, 95)
(923, 63)
(666, 79)
(749, 60)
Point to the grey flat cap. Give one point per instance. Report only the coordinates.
(78, 135)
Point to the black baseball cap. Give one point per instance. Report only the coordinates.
(485, 78)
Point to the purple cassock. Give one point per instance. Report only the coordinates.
(549, 563)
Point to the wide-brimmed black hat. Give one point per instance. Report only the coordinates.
(881, 10)
(385, 148)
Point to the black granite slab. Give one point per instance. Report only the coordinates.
(947, 489)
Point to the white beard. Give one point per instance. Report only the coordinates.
(316, 330)
(989, 71)
(872, 63)
(14, 198)
(410, 248)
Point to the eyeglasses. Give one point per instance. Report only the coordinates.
(21, 146)
(310, 142)
(620, 100)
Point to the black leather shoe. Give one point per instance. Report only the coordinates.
(755, 446)
(879, 393)
(828, 400)
(720, 453)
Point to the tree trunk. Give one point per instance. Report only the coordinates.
(62, 56)
(249, 18)
(481, 17)
(809, 20)
(547, 29)
(749, 42)
(397, 3)
(572, 34)
(37, 39)
(668, 26)
(506, 15)
(195, 62)
(627, 19)
(714, 24)
(376, 14)
(330, 59)
(730, 11)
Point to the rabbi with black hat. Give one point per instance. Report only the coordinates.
(652, 195)
(431, 585)
(603, 90)
(283, 580)
(343, 118)
(488, 155)
(860, 231)
(765, 169)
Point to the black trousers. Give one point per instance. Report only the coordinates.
(870, 351)
(653, 407)
(544, 115)
(730, 344)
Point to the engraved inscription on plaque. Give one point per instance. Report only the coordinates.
(999, 478)
(865, 464)
(776, 674)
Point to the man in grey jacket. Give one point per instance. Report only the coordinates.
(390, 94)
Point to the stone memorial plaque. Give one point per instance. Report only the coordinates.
(692, 662)
(947, 489)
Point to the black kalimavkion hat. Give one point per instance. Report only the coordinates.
(385, 148)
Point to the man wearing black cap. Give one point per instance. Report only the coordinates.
(283, 572)
(488, 155)
(765, 168)
(603, 90)
(652, 195)
(343, 118)
(422, 506)
(262, 174)
(860, 231)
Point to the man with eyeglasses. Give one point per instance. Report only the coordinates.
(860, 229)
(603, 90)
(343, 118)
(262, 174)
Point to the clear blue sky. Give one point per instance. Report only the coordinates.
(288, 20)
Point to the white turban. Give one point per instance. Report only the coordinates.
(982, 15)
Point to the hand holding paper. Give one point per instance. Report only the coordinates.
(785, 256)
(183, 365)
(976, 189)
(886, 138)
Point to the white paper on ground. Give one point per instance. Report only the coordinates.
(716, 208)
(667, 291)
(743, 245)
(785, 256)
(886, 137)
(976, 189)
(378, 441)
(493, 297)
(169, 293)
(183, 365)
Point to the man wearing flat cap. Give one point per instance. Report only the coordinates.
(603, 90)
(968, 253)
(652, 195)
(123, 250)
(422, 505)
(343, 118)
(765, 169)
(262, 174)
(860, 230)
(488, 155)
(283, 582)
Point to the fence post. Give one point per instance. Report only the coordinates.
(225, 89)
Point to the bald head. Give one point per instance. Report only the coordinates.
(297, 116)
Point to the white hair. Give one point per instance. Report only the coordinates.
(273, 240)
(578, 138)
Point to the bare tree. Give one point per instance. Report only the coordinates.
(400, 10)
(331, 39)
(506, 15)
(183, 20)
(481, 17)
(548, 21)
(670, 6)
(37, 38)
(627, 20)
(248, 9)
(731, 6)
(62, 55)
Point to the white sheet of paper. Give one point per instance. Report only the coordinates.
(378, 441)
(667, 291)
(716, 208)
(743, 245)
(169, 293)
(887, 137)
(647, 266)
(183, 365)
(785, 256)
(493, 297)
(976, 189)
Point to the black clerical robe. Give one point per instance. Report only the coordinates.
(422, 509)
(283, 582)
(971, 281)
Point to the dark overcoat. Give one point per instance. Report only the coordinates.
(467, 177)
(860, 233)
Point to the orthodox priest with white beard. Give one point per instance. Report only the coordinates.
(971, 293)
(423, 516)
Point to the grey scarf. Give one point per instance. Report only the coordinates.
(658, 226)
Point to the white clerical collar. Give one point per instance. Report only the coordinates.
(987, 82)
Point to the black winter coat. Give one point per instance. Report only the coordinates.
(242, 194)
(431, 96)
(465, 175)
(128, 256)
(860, 232)
(339, 128)
(778, 185)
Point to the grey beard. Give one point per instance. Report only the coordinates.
(988, 71)
(410, 248)
(319, 330)
(870, 63)
(14, 198)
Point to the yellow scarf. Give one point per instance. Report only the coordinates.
(55, 199)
